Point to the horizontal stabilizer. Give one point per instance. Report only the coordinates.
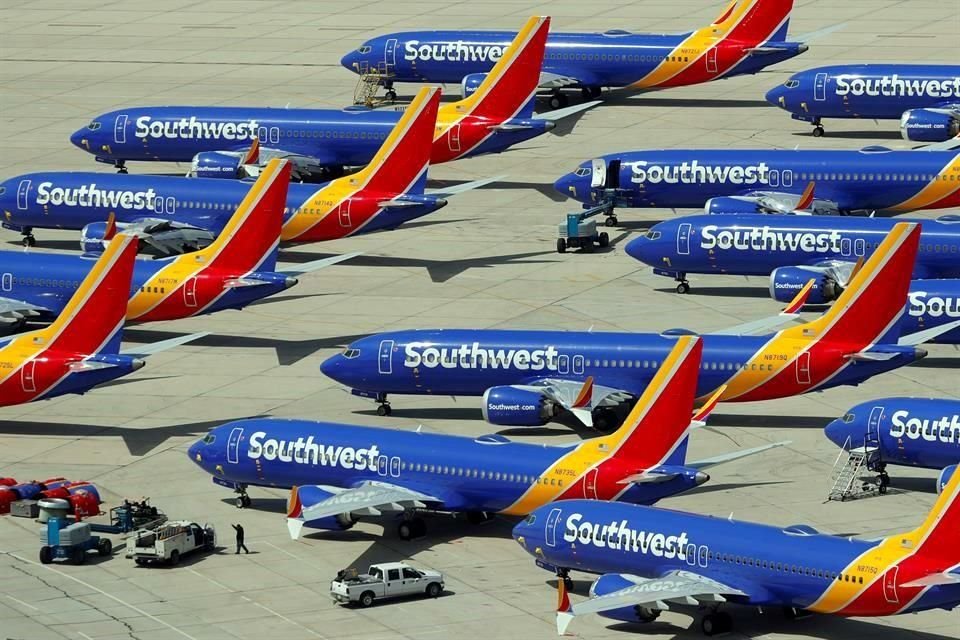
(913, 339)
(648, 477)
(142, 351)
(316, 265)
(453, 190)
(566, 112)
(871, 356)
(735, 455)
(934, 580)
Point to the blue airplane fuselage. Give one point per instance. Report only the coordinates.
(866, 180)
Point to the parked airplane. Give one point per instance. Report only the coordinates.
(81, 349)
(770, 181)
(746, 38)
(340, 472)
(238, 268)
(217, 140)
(910, 432)
(177, 214)
(791, 250)
(526, 377)
(924, 97)
(649, 557)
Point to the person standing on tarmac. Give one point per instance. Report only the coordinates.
(239, 529)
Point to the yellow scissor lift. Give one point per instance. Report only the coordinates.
(371, 79)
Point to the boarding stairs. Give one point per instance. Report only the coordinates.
(371, 79)
(851, 479)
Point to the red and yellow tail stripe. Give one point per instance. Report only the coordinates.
(943, 190)
(653, 429)
(511, 84)
(898, 560)
(34, 363)
(179, 290)
(801, 358)
(346, 205)
(741, 25)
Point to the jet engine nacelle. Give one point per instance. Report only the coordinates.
(308, 495)
(512, 407)
(786, 282)
(729, 206)
(610, 582)
(945, 474)
(215, 164)
(470, 83)
(91, 237)
(928, 125)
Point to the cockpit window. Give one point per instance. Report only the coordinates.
(791, 84)
(848, 418)
(652, 235)
(3, 190)
(365, 49)
(582, 171)
(93, 126)
(530, 519)
(209, 438)
(351, 353)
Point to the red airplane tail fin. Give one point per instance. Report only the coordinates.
(400, 165)
(660, 418)
(937, 536)
(250, 238)
(510, 88)
(93, 318)
(753, 22)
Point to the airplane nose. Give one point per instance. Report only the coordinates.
(775, 96)
(331, 367)
(79, 139)
(567, 186)
(351, 61)
(839, 432)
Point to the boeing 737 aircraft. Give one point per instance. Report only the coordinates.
(81, 349)
(526, 377)
(649, 557)
(746, 38)
(217, 140)
(924, 97)
(772, 181)
(910, 432)
(175, 214)
(340, 472)
(238, 268)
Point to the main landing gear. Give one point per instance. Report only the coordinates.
(28, 238)
(590, 93)
(715, 623)
(243, 500)
(564, 574)
(558, 99)
(411, 527)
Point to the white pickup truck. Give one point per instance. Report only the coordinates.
(387, 580)
(169, 542)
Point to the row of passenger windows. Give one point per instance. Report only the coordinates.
(785, 568)
(889, 177)
(153, 289)
(462, 472)
(43, 282)
(613, 57)
(219, 206)
(334, 135)
(653, 364)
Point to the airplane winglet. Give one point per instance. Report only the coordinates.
(295, 527)
(111, 229)
(564, 608)
(799, 300)
(806, 199)
(253, 153)
(585, 397)
(708, 407)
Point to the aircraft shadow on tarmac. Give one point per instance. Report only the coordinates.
(769, 421)
(288, 351)
(139, 440)
(937, 363)
(439, 270)
(728, 292)
(856, 135)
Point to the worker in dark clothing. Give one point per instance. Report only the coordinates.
(240, 545)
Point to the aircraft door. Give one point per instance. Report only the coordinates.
(820, 87)
(890, 585)
(390, 54)
(859, 247)
(190, 293)
(27, 381)
(385, 359)
(578, 364)
(598, 176)
(550, 528)
(845, 246)
(233, 445)
(395, 467)
(873, 423)
(590, 484)
(712, 60)
(613, 174)
(563, 364)
(23, 194)
(683, 238)
(453, 140)
(7, 282)
(803, 368)
(343, 212)
(382, 465)
(120, 129)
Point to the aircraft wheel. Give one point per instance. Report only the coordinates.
(818, 131)
(611, 221)
(246, 500)
(29, 241)
(604, 239)
(716, 623)
(558, 100)
(568, 583)
(412, 528)
(561, 245)
(122, 170)
(683, 287)
(384, 410)
(391, 94)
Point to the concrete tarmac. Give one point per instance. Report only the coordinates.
(486, 260)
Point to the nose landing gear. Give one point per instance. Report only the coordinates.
(28, 238)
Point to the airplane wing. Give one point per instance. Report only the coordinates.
(368, 498)
(946, 145)
(579, 398)
(301, 165)
(316, 265)
(784, 203)
(683, 587)
(790, 312)
(913, 339)
(13, 311)
(144, 350)
(554, 80)
(169, 236)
